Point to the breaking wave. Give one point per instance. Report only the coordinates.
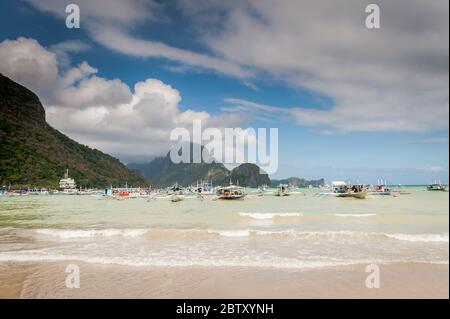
(175, 233)
(420, 237)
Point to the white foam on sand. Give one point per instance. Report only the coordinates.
(87, 233)
(420, 237)
(195, 261)
(231, 233)
(354, 215)
(269, 215)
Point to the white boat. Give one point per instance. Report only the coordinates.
(436, 187)
(342, 189)
(381, 189)
(230, 192)
(122, 192)
(88, 191)
(36, 191)
(262, 190)
(16, 193)
(67, 185)
(176, 193)
(203, 188)
(358, 195)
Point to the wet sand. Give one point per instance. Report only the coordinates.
(47, 280)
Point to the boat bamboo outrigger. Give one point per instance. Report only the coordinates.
(175, 193)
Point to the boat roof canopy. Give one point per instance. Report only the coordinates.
(338, 183)
(231, 187)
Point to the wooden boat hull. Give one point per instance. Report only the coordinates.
(231, 197)
(175, 198)
(381, 193)
(436, 188)
(359, 195)
(281, 194)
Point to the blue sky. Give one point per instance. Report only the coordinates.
(342, 112)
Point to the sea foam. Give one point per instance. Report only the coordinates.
(269, 215)
(354, 215)
(420, 237)
(292, 233)
(87, 233)
(253, 261)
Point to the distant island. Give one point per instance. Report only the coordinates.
(298, 182)
(33, 154)
(162, 172)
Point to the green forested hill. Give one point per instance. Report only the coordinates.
(249, 175)
(298, 182)
(33, 154)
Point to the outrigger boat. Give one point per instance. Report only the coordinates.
(381, 189)
(342, 189)
(230, 192)
(203, 188)
(176, 193)
(354, 190)
(173, 197)
(280, 191)
(262, 190)
(436, 187)
(36, 191)
(16, 193)
(125, 193)
(283, 190)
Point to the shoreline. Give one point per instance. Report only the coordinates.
(47, 280)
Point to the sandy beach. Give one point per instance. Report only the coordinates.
(47, 280)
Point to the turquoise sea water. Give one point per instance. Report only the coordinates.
(294, 232)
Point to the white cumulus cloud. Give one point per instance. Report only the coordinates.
(102, 113)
